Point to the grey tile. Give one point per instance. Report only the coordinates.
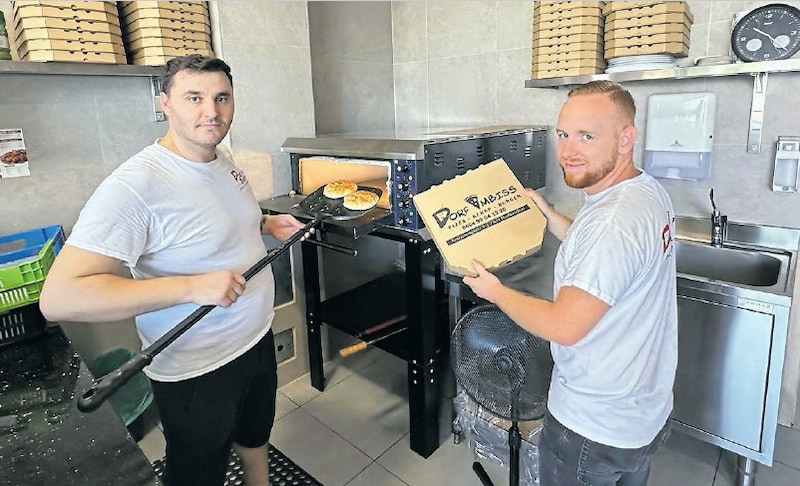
(283, 406)
(409, 44)
(684, 460)
(369, 409)
(461, 29)
(787, 447)
(375, 475)
(153, 445)
(514, 25)
(273, 23)
(317, 449)
(777, 475)
(449, 464)
(336, 370)
(411, 96)
(462, 91)
(332, 24)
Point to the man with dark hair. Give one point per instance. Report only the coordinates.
(184, 221)
(613, 322)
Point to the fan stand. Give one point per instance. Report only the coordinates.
(511, 368)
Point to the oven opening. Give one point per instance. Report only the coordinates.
(315, 172)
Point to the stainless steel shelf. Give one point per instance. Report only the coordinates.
(77, 69)
(788, 65)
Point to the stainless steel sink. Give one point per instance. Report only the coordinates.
(730, 264)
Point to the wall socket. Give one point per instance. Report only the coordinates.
(284, 345)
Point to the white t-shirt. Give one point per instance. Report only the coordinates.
(163, 215)
(614, 386)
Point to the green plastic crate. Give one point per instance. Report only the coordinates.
(23, 270)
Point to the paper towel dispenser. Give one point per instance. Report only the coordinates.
(680, 135)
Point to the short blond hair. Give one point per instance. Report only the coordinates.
(620, 96)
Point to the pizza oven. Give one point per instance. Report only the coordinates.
(402, 168)
(378, 277)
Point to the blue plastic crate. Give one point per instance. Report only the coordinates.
(25, 259)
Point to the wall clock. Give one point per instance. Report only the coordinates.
(767, 33)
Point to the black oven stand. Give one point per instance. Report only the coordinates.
(419, 294)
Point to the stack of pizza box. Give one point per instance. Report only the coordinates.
(63, 31)
(155, 32)
(567, 39)
(644, 28)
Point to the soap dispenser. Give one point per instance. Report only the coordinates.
(680, 135)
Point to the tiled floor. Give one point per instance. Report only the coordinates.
(356, 434)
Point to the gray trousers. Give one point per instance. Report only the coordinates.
(569, 459)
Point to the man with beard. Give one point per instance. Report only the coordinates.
(183, 219)
(613, 322)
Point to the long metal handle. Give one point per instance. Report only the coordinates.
(331, 246)
(101, 389)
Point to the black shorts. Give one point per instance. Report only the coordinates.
(203, 416)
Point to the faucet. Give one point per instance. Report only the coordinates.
(719, 223)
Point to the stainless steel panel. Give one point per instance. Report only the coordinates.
(721, 382)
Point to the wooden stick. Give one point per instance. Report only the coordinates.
(363, 344)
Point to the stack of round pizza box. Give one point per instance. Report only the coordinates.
(64, 31)
(155, 32)
(567, 39)
(647, 28)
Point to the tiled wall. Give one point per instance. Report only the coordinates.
(351, 59)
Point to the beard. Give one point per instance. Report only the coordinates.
(589, 178)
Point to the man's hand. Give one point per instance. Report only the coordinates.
(283, 226)
(484, 284)
(220, 288)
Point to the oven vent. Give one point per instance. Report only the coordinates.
(479, 152)
(460, 165)
(438, 158)
(528, 151)
(498, 154)
(513, 146)
(526, 176)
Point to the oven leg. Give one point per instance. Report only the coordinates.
(313, 326)
(424, 291)
(423, 403)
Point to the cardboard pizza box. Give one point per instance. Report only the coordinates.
(579, 59)
(677, 49)
(541, 15)
(192, 7)
(615, 6)
(69, 45)
(68, 11)
(74, 56)
(680, 8)
(566, 49)
(560, 73)
(68, 34)
(482, 215)
(163, 13)
(647, 40)
(150, 23)
(596, 38)
(146, 42)
(578, 29)
(554, 6)
(168, 52)
(643, 30)
(561, 23)
(26, 23)
(177, 34)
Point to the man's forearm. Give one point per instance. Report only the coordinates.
(108, 297)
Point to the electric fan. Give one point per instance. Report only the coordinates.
(503, 368)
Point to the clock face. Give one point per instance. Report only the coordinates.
(768, 33)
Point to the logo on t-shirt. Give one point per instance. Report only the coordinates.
(239, 177)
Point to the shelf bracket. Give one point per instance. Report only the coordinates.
(757, 113)
(155, 90)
